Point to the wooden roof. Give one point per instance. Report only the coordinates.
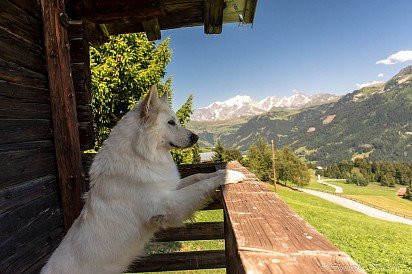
(128, 16)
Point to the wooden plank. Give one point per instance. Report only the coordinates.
(23, 102)
(15, 73)
(31, 7)
(20, 23)
(15, 196)
(63, 105)
(264, 235)
(21, 52)
(86, 135)
(106, 11)
(24, 130)
(152, 29)
(31, 256)
(213, 16)
(191, 232)
(79, 50)
(18, 166)
(180, 261)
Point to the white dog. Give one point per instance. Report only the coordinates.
(135, 190)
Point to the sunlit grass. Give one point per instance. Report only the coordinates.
(377, 195)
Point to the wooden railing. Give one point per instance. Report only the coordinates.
(262, 235)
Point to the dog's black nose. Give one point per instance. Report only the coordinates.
(194, 138)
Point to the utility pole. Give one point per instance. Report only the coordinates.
(274, 165)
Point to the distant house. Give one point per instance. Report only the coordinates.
(206, 157)
(401, 192)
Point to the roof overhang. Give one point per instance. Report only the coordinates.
(128, 16)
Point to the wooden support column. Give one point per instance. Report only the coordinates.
(152, 29)
(63, 107)
(213, 16)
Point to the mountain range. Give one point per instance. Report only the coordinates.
(374, 122)
(242, 106)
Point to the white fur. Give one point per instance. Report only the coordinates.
(135, 190)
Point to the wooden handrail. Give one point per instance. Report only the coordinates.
(263, 235)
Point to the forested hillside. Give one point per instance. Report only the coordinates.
(374, 122)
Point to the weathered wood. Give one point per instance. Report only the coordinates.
(21, 52)
(191, 232)
(180, 261)
(31, 256)
(79, 50)
(31, 7)
(152, 29)
(15, 196)
(213, 16)
(15, 73)
(264, 235)
(190, 169)
(33, 220)
(63, 105)
(86, 135)
(81, 74)
(23, 102)
(24, 130)
(177, 15)
(106, 11)
(20, 23)
(19, 166)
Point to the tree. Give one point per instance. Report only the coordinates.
(260, 159)
(219, 153)
(356, 177)
(290, 168)
(122, 71)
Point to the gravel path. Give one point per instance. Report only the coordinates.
(338, 189)
(370, 211)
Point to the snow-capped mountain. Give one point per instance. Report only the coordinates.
(246, 106)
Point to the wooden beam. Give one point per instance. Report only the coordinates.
(63, 106)
(109, 11)
(180, 261)
(152, 29)
(213, 16)
(191, 232)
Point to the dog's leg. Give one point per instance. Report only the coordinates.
(184, 182)
(185, 201)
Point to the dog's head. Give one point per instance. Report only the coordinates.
(159, 120)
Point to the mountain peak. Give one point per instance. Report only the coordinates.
(244, 105)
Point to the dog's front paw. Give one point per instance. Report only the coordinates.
(233, 177)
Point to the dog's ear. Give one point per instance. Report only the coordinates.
(165, 98)
(149, 102)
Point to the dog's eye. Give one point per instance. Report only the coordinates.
(171, 122)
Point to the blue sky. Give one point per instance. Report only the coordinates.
(294, 45)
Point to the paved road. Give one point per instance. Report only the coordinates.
(338, 189)
(370, 211)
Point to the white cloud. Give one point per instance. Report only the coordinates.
(368, 84)
(399, 57)
(381, 75)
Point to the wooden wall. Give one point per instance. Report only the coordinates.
(31, 222)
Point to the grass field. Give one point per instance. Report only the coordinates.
(378, 195)
(378, 246)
